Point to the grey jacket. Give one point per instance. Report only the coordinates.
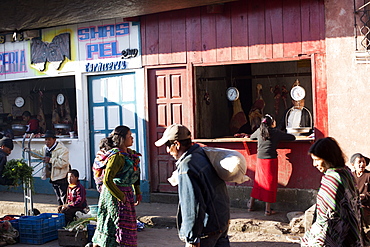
(204, 208)
(59, 161)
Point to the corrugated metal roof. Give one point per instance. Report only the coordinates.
(35, 14)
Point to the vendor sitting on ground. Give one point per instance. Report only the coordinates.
(76, 197)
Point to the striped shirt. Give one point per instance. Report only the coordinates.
(338, 221)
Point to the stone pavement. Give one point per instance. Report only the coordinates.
(160, 219)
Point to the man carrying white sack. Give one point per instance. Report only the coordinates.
(204, 210)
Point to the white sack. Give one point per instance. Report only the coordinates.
(230, 165)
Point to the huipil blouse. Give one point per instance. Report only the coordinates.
(122, 169)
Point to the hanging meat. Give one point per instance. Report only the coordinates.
(277, 96)
(40, 115)
(55, 118)
(256, 112)
(66, 117)
(238, 119)
(284, 96)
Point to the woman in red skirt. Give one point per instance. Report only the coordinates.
(266, 175)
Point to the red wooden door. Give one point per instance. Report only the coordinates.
(169, 102)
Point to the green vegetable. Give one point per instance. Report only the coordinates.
(79, 224)
(20, 172)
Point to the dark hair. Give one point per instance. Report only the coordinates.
(266, 125)
(118, 135)
(26, 114)
(106, 144)
(329, 150)
(74, 172)
(186, 142)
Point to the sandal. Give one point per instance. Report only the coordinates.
(271, 212)
(250, 206)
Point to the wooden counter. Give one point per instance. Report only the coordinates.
(247, 139)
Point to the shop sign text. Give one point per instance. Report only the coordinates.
(100, 32)
(98, 67)
(103, 41)
(13, 62)
(103, 50)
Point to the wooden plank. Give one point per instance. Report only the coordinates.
(319, 94)
(208, 22)
(165, 38)
(292, 28)
(274, 29)
(152, 39)
(256, 29)
(178, 40)
(239, 30)
(313, 23)
(193, 35)
(223, 34)
(143, 40)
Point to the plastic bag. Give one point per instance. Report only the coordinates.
(230, 165)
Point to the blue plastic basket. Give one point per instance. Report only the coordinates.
(41, 228)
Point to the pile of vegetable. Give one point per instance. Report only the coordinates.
(80, 224)
(20, 172)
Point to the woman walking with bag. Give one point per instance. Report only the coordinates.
(266, 174)
(116, 214)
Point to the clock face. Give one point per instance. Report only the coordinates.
(19, 102)
(297, 93)
(60, 99)
(232, 93)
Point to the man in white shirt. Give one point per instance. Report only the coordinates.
(298, 116)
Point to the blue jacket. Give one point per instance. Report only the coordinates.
(204, 208)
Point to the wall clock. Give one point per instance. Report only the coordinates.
(297, 93)
(19, 102)
(60, 99)
(232, 93)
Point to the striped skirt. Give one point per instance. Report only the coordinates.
(116, 224)
(126, 234)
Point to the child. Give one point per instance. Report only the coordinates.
(76, 197)
(362, 179)
(106, 150)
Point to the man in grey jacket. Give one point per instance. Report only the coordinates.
(204, 210)
(56, 155)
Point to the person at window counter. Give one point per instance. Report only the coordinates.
(56, 155)
(32, 123)
(266, 175)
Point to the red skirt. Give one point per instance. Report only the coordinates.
(265, 180)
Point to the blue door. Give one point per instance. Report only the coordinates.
(112, 102)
